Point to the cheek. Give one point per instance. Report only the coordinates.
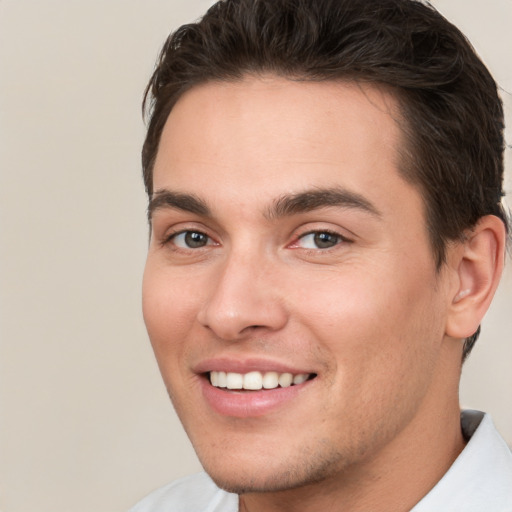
(384, 357)
(379, 329)
(168, 313)
(169, 316)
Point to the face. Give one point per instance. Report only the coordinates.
(289, 257)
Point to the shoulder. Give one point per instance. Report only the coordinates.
(196, 493)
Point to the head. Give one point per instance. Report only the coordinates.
(267, 118)
(450, 112)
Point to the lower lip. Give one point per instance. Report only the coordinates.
(248, 404)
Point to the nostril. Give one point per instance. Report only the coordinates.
(254, 327)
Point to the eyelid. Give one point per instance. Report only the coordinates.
(170, 235)
(301, 235)
(183, 243)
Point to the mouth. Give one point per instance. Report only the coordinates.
(256, 380)
(253, 387)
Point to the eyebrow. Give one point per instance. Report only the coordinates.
(284, 206)
(316, 199)
(187, 202)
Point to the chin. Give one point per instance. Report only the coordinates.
(272, 474)
(251, 482)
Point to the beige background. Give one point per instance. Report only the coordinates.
(85, 424)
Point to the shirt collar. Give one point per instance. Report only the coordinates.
(481, 476)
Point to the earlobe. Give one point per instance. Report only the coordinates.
(479, 268)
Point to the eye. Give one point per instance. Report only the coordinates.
(319, 240)
(190, 240)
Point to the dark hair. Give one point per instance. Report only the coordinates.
(452, 116)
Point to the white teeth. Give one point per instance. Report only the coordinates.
(234, 380)
(299, 379)
(270, 380)
(253, 380)
(285, 380)
(221, 379)
(256, 380)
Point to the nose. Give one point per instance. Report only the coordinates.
(244, 299)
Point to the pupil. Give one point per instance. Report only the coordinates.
(325, 240)
(194, 240)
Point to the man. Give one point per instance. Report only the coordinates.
(325, 184)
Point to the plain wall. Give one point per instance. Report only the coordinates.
(85, 423)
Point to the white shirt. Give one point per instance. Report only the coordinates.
(480, 480)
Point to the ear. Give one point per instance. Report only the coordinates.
(479, 264)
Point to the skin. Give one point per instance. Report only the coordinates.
(369, 315)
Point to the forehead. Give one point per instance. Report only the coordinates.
(270, 135)
(316, 110)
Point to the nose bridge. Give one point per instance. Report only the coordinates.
(244, 296)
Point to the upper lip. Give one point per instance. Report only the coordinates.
(246, 365)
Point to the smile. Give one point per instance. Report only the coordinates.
(253, 393)
(256, 380)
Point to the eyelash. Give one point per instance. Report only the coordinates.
(173, 236)
(339, 239)
(295, 245)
